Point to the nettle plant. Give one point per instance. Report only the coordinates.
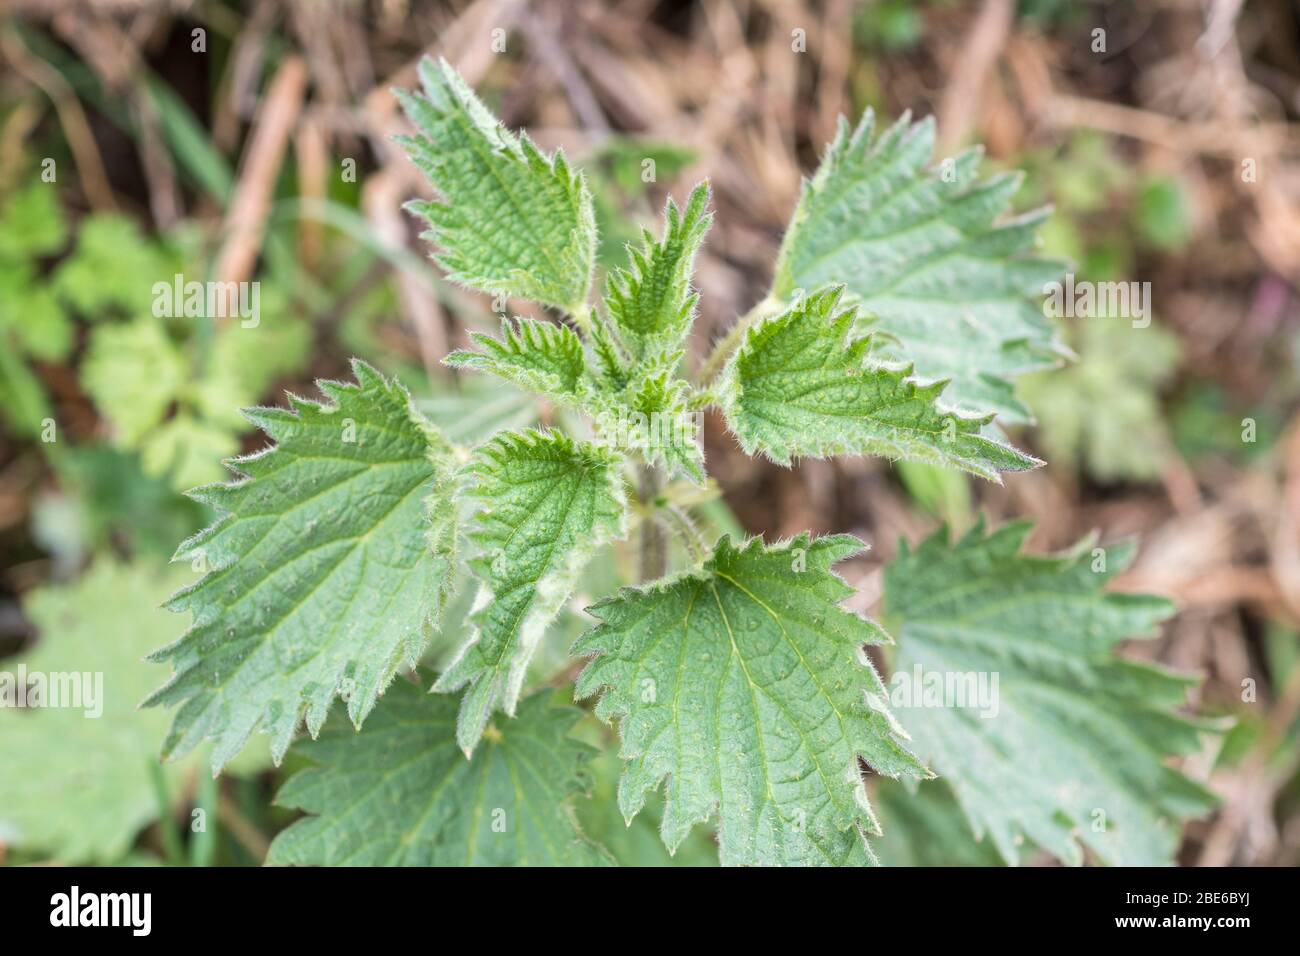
(901, 311)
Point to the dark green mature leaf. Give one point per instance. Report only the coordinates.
(401, 793)
(636, 843)
(330, 558)
(515, 221)
(1071, 746)
(802, 385)
(922, 252)
(549, 504)
(746, 684)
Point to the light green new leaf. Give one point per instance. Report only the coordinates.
(133, 372)
(651, 304)
(653, 415)
(549, 504)
(923, 252)
(539, 356)
(113, 269)
(801, 385)
(32, 223)
(401, 793)
(1103, 412)
(75, 781)
(187, 450)
(1070, 746)
(514, 220)
(22, 398)
(746, 684)
(329, 560)
(33, 324)
(609, 365)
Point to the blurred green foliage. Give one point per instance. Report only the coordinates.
(1103, 414)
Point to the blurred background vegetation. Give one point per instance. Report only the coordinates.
(251, 141)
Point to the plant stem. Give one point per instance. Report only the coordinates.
(687, 531)
(167, 828)
(246, 833)
(728, 343)
(654, 540)
(581, 316)
(203, 843)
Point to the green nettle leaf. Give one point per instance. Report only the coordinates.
(22, 398)
(331, 557)
(133, 372)
(637, 843)
(401, 793)
(187, 450)
(653, 415)
(746, 684)
(514, 220)
(1103, 412)
(801, 384)
(31, 223)
(539, 356)
(75, 781)
(923, 252)
(549, 504)
(113, 269)
(32, 320)
(611, 368)
(652, 305)
(1070, 745)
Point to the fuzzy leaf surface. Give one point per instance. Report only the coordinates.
(401, 793)
(515, 221)
(803, 385)
(925, 253)
(549, 504)
(1077, 734)
(652, 414)
(540, 357)
(746, 685)
(650, 303)
(331, 556)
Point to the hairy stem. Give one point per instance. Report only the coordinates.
(654, 540)
(729, 342)
(581, 316)
(688, 532)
